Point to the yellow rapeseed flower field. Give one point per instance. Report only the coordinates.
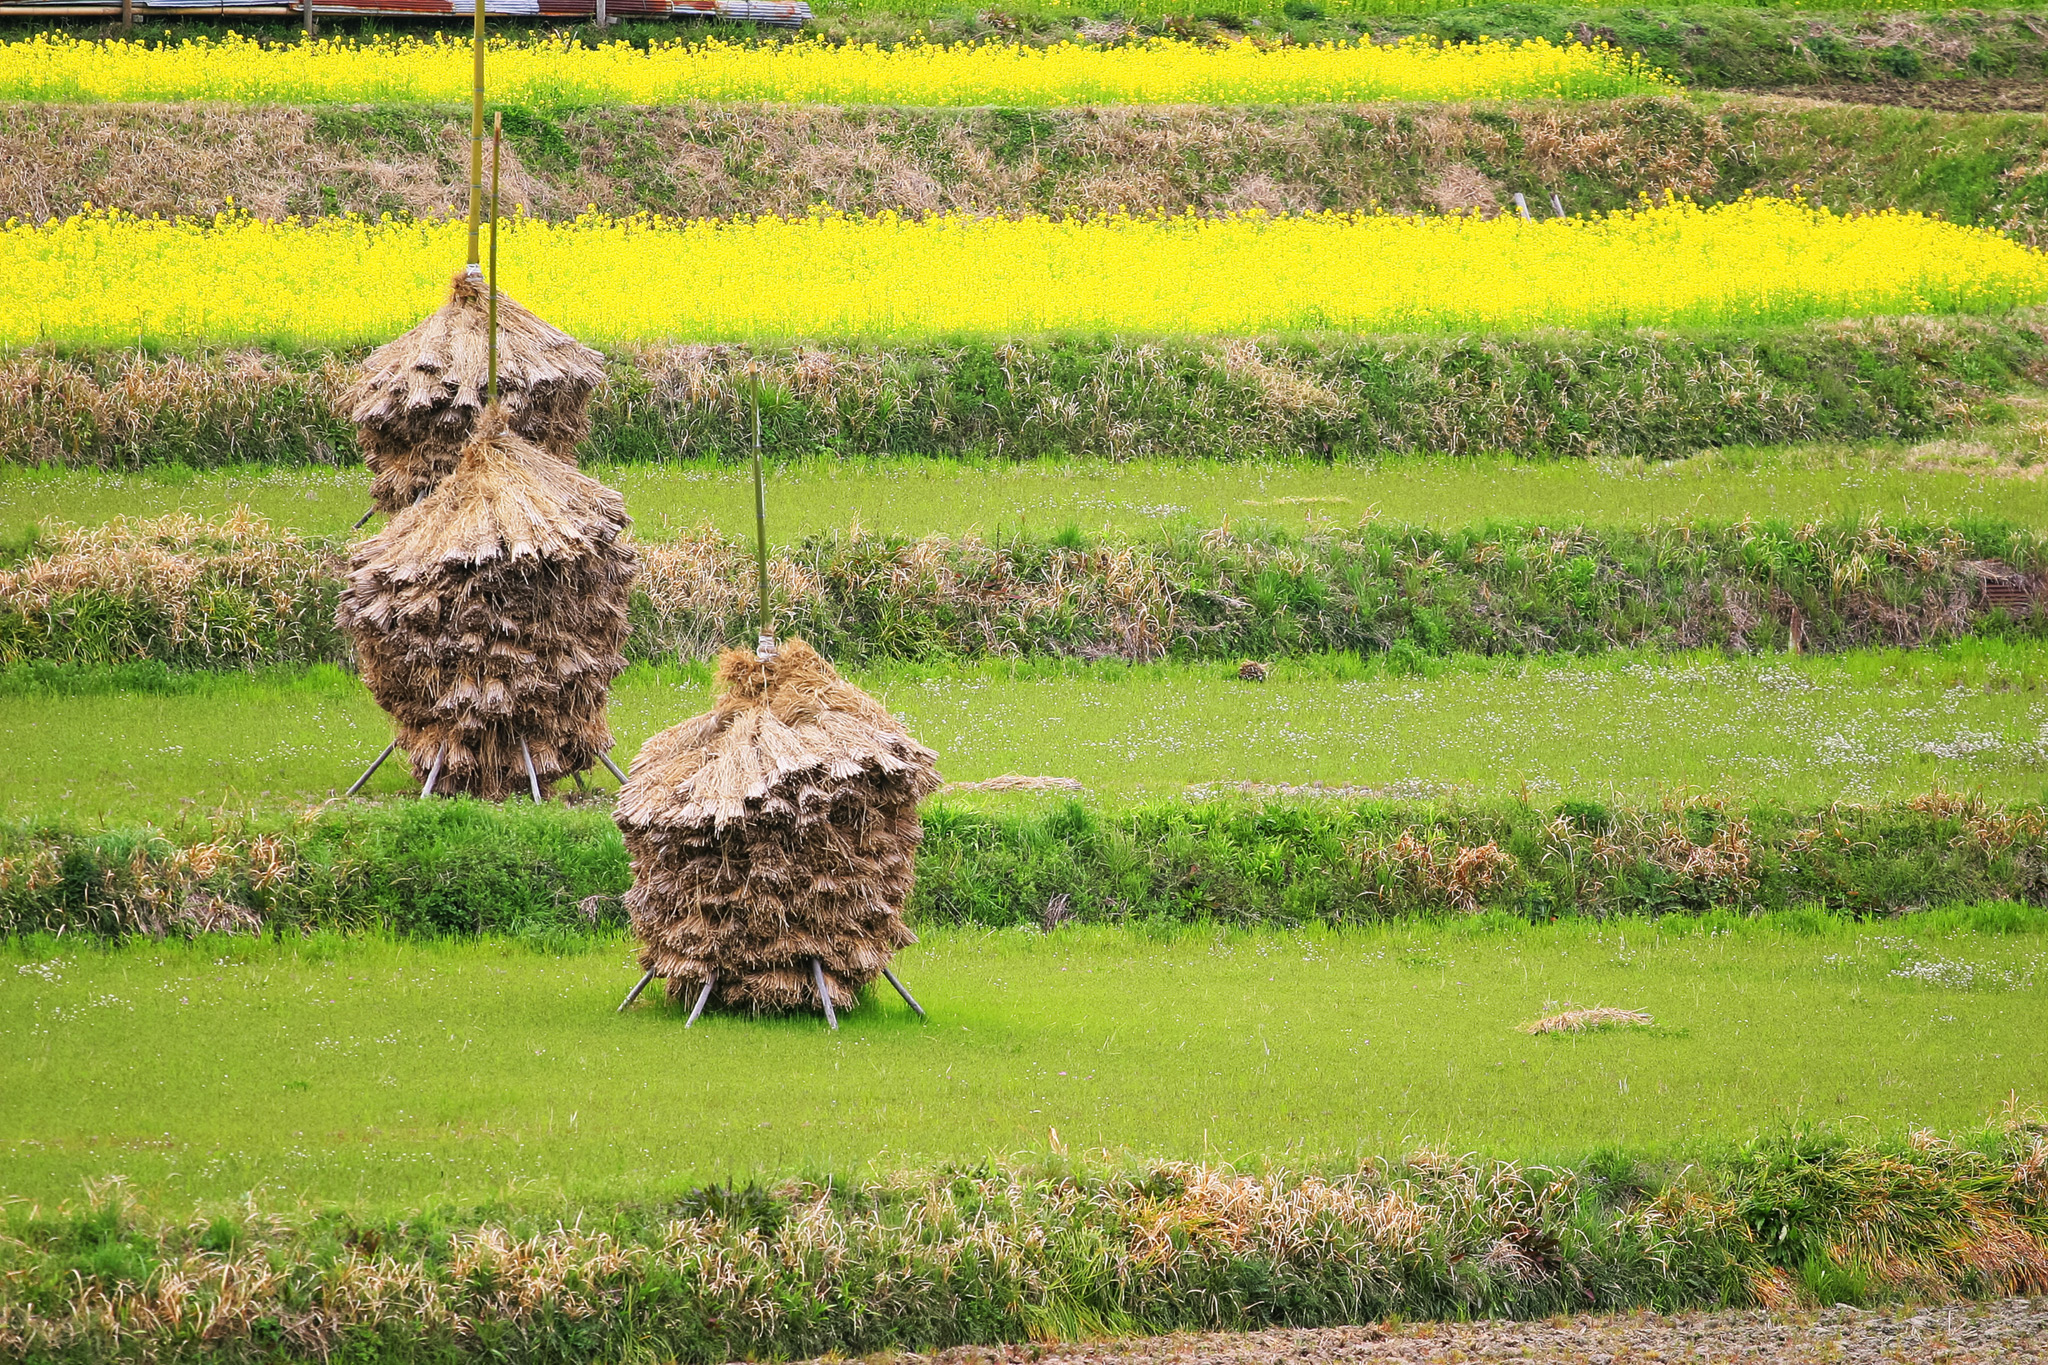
(554, 73)
(107, 278)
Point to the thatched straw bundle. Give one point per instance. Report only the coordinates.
(417, 399)
(493, 612)
(778, 828)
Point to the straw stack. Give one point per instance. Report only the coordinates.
(416, 400)
(778, 828)
(493, 613)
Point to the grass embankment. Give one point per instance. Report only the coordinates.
(1583, 790)
(1649, 394)
(1012, 1253)
(382, 1075)
(238, 594)
(1986, 473)
(725, 160)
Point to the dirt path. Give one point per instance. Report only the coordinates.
(1959, 96)
(2006, 1332)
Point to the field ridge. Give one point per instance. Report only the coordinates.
(459, 868)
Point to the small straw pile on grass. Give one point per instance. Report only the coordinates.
(1582, 1021)
(489, 618)
(777, 828)
(418, 398)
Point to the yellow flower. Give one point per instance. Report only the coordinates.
(107, 277)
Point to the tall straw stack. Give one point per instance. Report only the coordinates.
(777, 830)
(489, 618)
(417, 399)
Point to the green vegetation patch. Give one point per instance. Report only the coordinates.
(1651, 394)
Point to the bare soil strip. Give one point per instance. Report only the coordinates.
(2007, 1331)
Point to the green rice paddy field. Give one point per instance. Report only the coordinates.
(478, 1072)
(1951, 480)
(1971, 717)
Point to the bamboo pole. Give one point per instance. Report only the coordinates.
(371, 771)
(908, 999)
(434, 773)
(497, 137)
(702, 996)
(606, 759)
(531, 776)
(824, 994)
(476, 140)
(634, 994)
(765, 646)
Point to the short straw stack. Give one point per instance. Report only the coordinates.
(773, 838)
(418, 398)
(489, 618)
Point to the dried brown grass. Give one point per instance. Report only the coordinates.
(776, 829)
(719, 160)
(493, 614)
(417, 399)
(1586, 1020)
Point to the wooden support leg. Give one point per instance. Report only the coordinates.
(579, 782)
(532, 777)
(824, 996)
(606, 759)
(907, 998)
(362, 519)
(370, 771)
(702, 997)
(634, 994)
(434, 773)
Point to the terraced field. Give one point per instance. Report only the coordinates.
(1401, 522)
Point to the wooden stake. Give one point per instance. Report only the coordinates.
(702, 996)
(602, 21)
(127, 17)
(824, 996)
(606, 759)
(312, 26)
(434, 773)
(907, 998)
(371, 770)
(362, 519)
(532, 777)
(634, 994)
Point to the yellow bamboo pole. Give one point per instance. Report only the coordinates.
(491, 390)
(476, 140)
